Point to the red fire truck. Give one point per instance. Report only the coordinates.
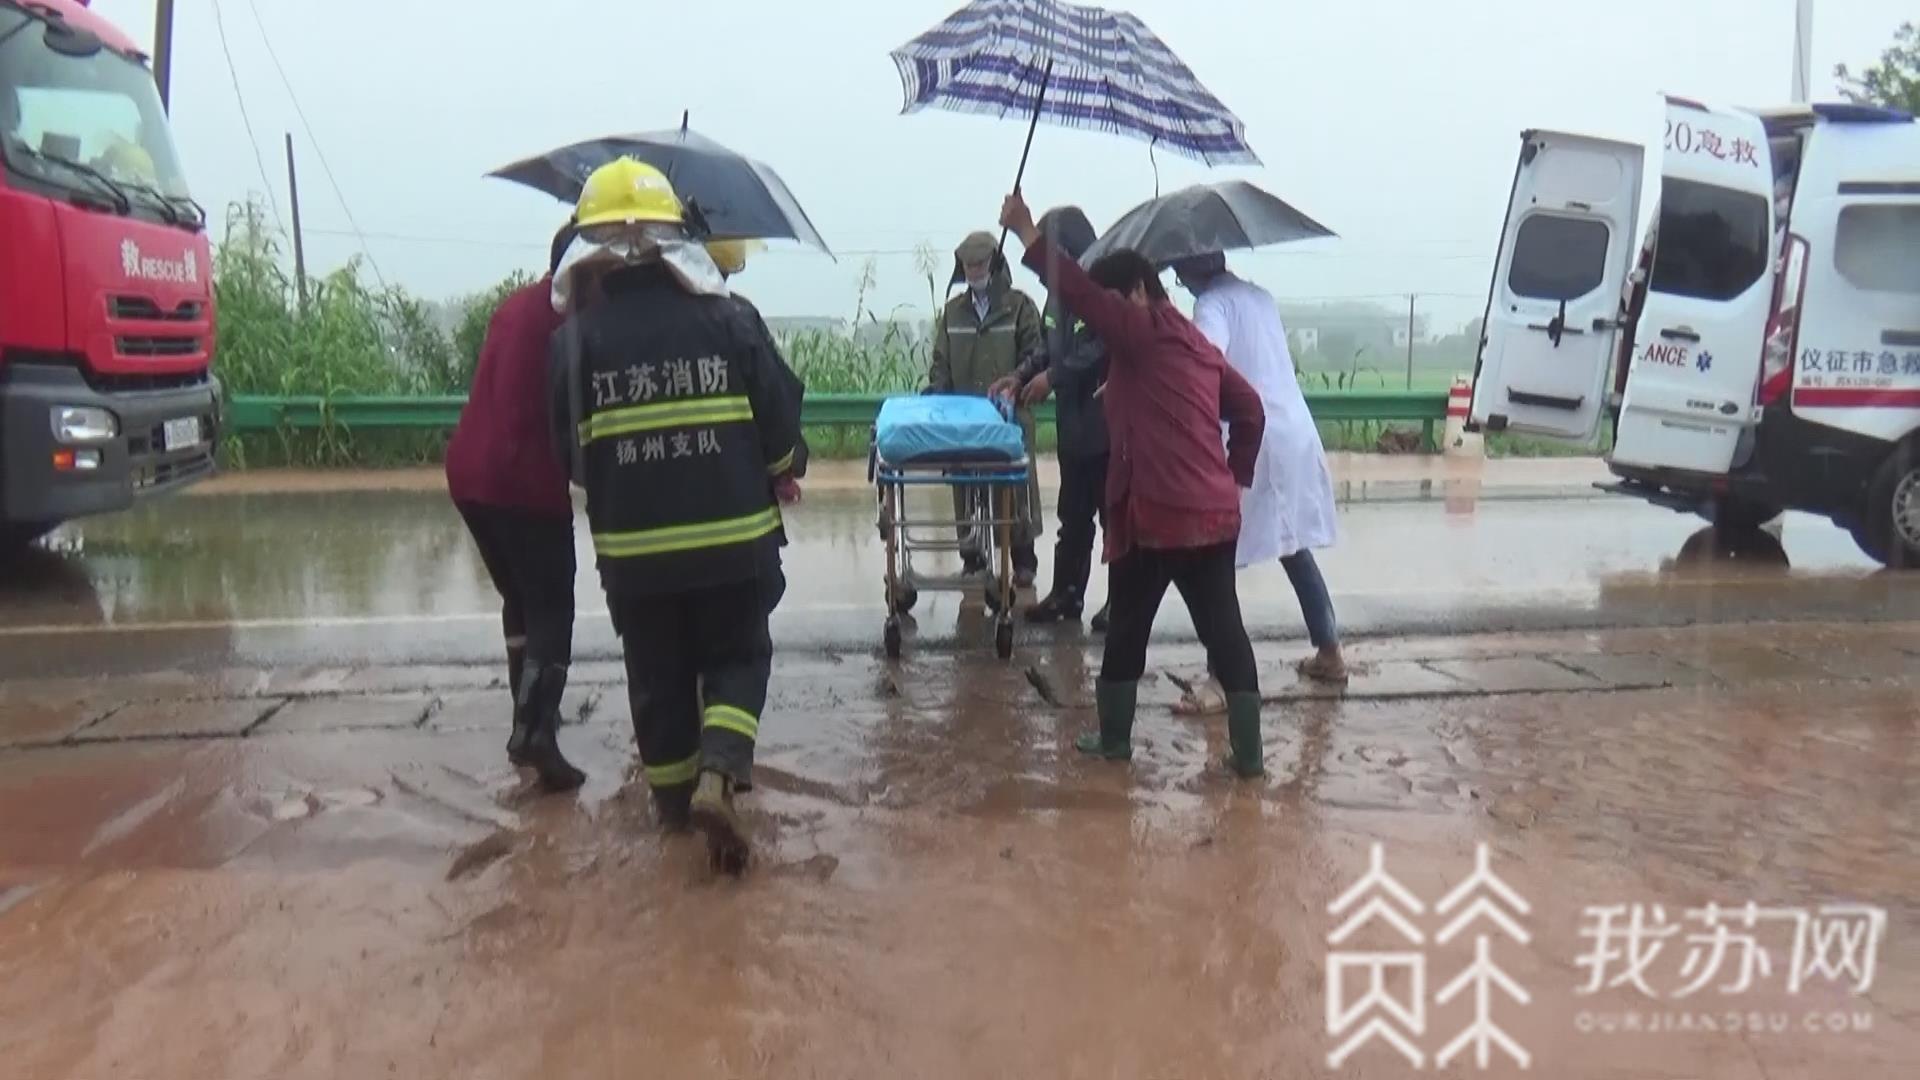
(106, 296)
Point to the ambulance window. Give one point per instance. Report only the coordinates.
(1713, 240)
(1874, 247)
(1558, 258)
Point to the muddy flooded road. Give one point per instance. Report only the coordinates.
(258, 820)
(322, 871)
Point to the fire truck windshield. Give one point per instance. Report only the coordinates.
(77, 115)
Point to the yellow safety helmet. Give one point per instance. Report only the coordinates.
(731, 255)
(627, 192)
(128, 161)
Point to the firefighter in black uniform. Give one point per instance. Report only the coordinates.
(730, 258)
(681, 426)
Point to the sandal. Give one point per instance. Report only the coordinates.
(1207, 699)
(1317, 668)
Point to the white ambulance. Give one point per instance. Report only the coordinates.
(1761, 353)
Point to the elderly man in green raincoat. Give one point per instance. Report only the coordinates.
(981, 337)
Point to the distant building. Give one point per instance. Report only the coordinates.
(1337, 331)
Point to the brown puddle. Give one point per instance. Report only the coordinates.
(942, 886)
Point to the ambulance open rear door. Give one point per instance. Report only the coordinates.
(1552, 312)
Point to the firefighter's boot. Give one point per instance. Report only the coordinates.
(713, 813)
(674, 804)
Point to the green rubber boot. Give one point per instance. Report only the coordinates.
(1116, 703)
(1243, 735)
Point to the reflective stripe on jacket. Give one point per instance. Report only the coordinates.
(677, 412)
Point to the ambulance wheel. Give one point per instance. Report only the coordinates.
(1003, 639)
(1732, 514)
(892, 639)
(1891, 532)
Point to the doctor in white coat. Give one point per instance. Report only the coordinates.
(1289, 510)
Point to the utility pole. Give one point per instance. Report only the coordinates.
(1411, 297)
(299, 248)
(1802, 50)
(163, 50)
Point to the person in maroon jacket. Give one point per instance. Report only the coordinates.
(1173, 490)
(512, 491)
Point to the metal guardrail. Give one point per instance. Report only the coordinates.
(248, 413)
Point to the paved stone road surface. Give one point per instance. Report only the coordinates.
(327, 869)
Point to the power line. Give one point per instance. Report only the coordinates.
(476, 241)
(315, 140)
(408, 238)
(220, 24)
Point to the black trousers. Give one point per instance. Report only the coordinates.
(697, 669)
(1083, 492)
(1137, 583)
(529, 556)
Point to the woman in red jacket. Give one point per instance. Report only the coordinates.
(1173, 491)
(512, 492)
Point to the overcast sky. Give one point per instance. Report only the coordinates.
(1393, 122)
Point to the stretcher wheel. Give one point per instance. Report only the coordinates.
(904, 597)
(1003, 639)
(993, 596)
(892, 639)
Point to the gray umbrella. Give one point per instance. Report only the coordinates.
(740, 198)
(1205, 219)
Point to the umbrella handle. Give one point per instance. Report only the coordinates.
(1046, 77)
(695, 221)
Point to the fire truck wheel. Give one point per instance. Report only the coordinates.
(14, 537)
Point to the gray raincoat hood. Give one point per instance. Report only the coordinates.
(1069, 229)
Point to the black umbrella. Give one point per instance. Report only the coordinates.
(740, 198)
(1203, 220)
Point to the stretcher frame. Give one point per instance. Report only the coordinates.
(995, 491)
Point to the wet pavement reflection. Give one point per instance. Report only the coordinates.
(355, 576)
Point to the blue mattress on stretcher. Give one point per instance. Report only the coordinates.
(941, 427)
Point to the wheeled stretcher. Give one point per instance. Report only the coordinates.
(972, 447)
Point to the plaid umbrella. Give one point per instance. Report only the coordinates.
(1078, 66)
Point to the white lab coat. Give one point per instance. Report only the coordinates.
(1290, 506)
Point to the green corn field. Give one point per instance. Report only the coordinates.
(351, 337)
